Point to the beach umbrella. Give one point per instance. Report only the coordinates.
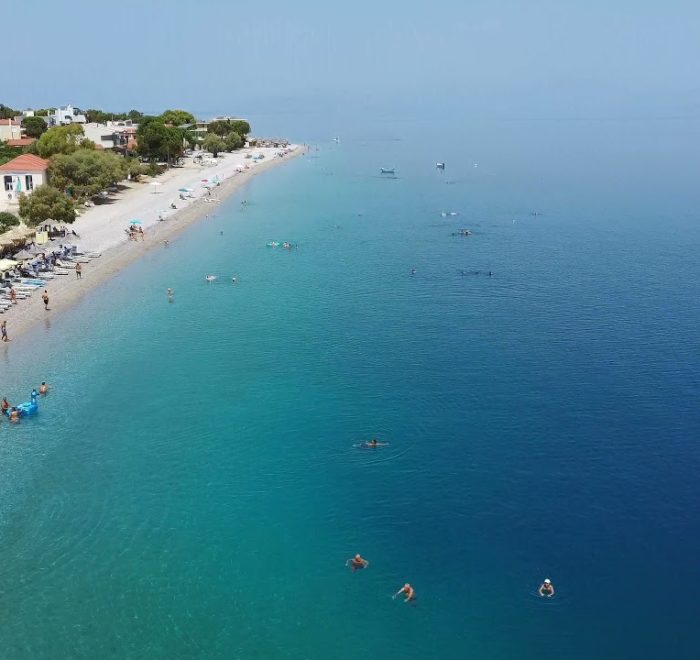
(23, 255)
(184, 189)
(155, 185)
(135, 222)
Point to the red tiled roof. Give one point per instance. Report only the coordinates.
(21, 142)
(25, 163)
(10, 122)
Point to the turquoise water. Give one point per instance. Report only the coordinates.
(191, 488)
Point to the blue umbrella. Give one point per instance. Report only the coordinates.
(135, 222)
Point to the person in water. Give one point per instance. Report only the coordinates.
(546, 589)
(14, 415)
(5, 406)
(408, 590)
(43, 388)
(357, 563)
(374, 443)
(33, 396)
(413, 271)
(170, 294)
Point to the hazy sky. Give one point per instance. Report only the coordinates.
(551, 57)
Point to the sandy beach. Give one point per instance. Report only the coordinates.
(101, 228)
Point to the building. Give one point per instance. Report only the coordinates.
(23, 174)
(111, 136)
(10, 129)
(67, 115)
(21, 142)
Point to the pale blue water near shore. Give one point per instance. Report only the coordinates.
(190, 488)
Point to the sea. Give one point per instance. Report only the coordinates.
(196, 478)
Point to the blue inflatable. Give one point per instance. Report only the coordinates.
(28, 408)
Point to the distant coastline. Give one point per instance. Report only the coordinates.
(66, 290)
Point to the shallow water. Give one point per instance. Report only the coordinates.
(191, 487)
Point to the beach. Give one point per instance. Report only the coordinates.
(101, 227)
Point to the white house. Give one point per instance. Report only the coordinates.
(67, 115)
(10, 129)
(22, 175)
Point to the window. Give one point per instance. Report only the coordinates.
(30, 182)
(8, 183)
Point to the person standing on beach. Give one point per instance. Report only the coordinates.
(45, 298)
(13, 295)
(3, 330)
(78, 271)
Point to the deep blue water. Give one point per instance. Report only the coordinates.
(191, 488)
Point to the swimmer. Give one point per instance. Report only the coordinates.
(33, 396)
(210, 278)
(234, 280)
(413, 271)
(166, 242)
(14, 415)
(43, 388)
(170, 294)
(221, 233)
(546, 589)
(374, 443)
(357, 563)
(408, 590)
(5, 406)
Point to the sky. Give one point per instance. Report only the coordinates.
(514, 58)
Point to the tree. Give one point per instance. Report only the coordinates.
(60, 140)
(85, 172)
(233, 141)
(191, 138)
(46, 203)
(7, 220)
(214, 144)
(158, 141)
(220, 127)
(177, 117)
(34, 126)
(8, 113)
(8, 153)
(241, 126)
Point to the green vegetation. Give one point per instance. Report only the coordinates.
(8, 153)
(156, 141)
(214, 144)
(177, 117)
(46, 203)
(223, 127)
(86, 172)
(62, 140)
(100, 117)
(233, 141)
(8, 113)
(34, 126)
(7, 221)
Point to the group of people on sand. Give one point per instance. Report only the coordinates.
(135, 232)
(13, 413)
(358, 562)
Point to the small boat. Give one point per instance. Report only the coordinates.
(462, 232)
(273, 244)
(440, 166)
(210, 278)
(386, 170)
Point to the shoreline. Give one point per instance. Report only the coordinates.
(65, 290)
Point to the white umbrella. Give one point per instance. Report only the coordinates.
(155, 185)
